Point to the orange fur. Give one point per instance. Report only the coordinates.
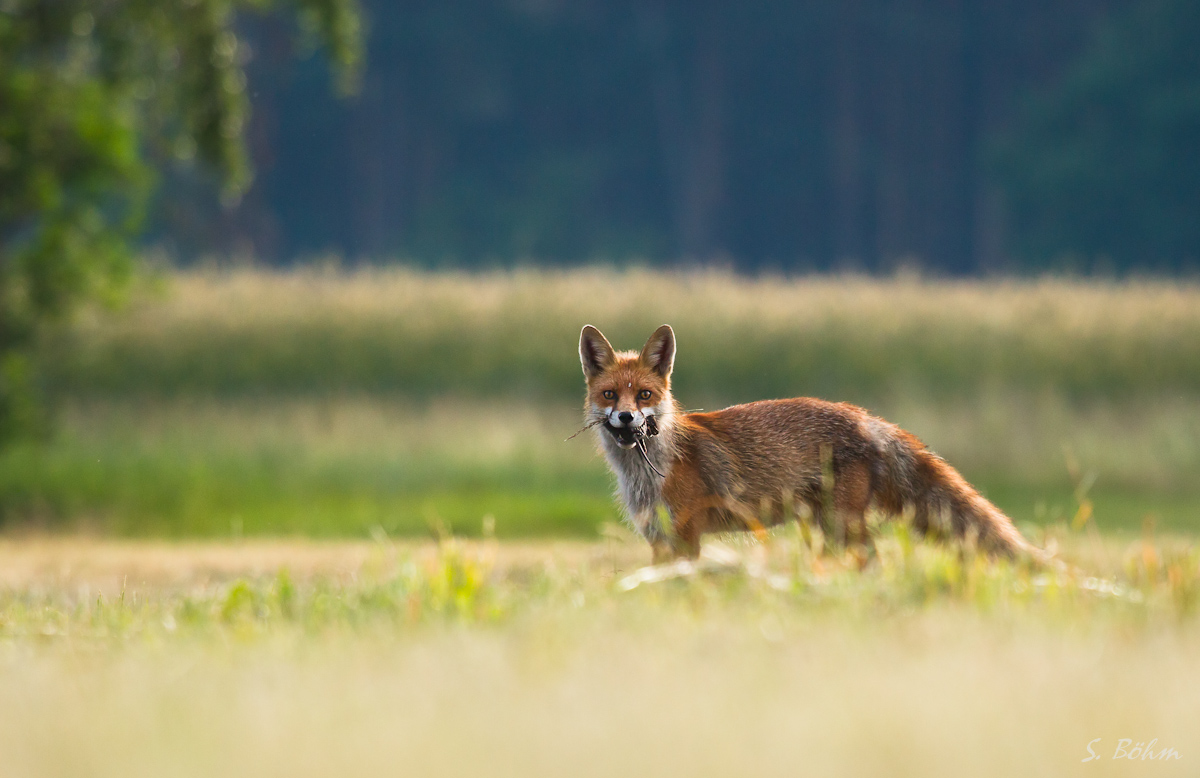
(755, 465)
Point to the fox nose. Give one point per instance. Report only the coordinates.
(625, 417)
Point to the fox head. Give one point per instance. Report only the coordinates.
(628, 392)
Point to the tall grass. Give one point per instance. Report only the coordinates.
(343, 403)
(414, 334)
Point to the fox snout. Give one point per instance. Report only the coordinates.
(625, 426)
(631, 419)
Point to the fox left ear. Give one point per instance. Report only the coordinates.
(595, 352)
(659, 352)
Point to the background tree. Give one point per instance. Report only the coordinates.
(1103, 167)
(97, 97)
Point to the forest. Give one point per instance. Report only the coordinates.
(956, 138)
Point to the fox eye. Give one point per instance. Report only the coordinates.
(609, 394)
(644, 394)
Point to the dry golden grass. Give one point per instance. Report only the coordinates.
(1073, 307)
(933, 697)
(210, 662)
(104, 567)
(420, 334)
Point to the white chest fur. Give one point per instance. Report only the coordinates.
(639, 488)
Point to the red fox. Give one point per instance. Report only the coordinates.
(751, 466)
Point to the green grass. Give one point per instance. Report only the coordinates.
(1153, 581)
(489, 658)
(351, 467)
(346, 468)
(413, 403)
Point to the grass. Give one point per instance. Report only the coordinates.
(532, 659)
(410, 334)
(395, 405)
(351, 467)
(341, 404)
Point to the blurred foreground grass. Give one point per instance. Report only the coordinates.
(533, 659)
(333, 403)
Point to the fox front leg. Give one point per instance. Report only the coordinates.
(670, 538)
(684, 539)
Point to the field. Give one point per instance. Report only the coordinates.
(529, 659)
(341, 404)
(330, 523)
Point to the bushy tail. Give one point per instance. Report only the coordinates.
(911, 479)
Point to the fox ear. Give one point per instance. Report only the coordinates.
(659, 352)
(595, 352)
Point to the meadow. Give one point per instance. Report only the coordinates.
(331, 403)
(411, 334)
(329, 522)
(536, 658)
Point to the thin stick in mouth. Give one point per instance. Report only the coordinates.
(641, 447)
(586, 427)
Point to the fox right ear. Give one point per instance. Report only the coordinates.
(595, 352)
(659, 352)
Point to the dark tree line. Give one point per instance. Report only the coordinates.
(959, 136)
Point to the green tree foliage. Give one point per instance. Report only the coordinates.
(95, 97)
(1104, 167)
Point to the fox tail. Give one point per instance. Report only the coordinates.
(911, 479)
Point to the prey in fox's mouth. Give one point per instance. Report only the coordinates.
(627, 436)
